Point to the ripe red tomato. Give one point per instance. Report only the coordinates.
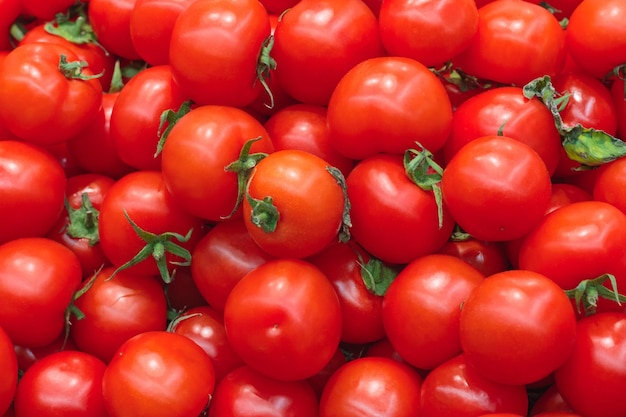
(385, 104)
(32, 190)
(11, 10)
(517, 327)
(38, 277)
(516, 42)
(421, 308)
(609, 182)
(551, 401)
(8, 375)
(496, 188)
(488, 257)
(619, 101)
(264, 322)
(431, 32)
(372, 386)
(27, 356)
(317, 42)
(225, 73)
(110, 21)
(46, 9)
(158, 374)
(65, 383)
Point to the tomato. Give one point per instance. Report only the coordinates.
(516, 42)
(488, 257)
(385, 104)
(564, 194)
(142, 196)
(592, 379)
(422, 306)
(226, 73)
(372, 386)
(263, 319)
(304, 127)
(505, 110)
(618, 94)
(182, 293)
(160, 374)
(550, 401)
(596, 36)
(456, 389)
(64, 383)
(557, 414)
(152, 41)
(93, 149)
(8, 364)
(11, 10)
(38, 277)
(245, 391)
(319, 380)
(117, 309)
(278, 6)
(205, 326)
(46, 9)
(356, 281)
(199, 148)
(609, 182)
(135, 118)
(32, 190)
(295, 204)
(61, 101)
(27, 356)
(563, 8)
(517, 327)
(379, 186)
(221, 258)
(496, 188)
(317, 42)
(110, 21)
(431, 32)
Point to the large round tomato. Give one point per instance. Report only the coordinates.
(8, 376)
(110, 21)
(264, 322)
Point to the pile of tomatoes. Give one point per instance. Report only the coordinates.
(312, 208)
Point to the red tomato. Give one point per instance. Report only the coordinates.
(32, 190)
(517, 327)
(27, 356)
(264, 322)
(372, 386)
(197, 150)
(221, 258)
(11, 10)
(618, 94)
(182, 292)
(610, 182)
(496, 188)
(385, 104)
(516, 42)
(422, 306)
(110, 21)
(278, 6)
(64, 383)
(319, 380)
(60, 103)
(551, 401)
(593, 379)
(431, 32)
(318, 41)
(279, 211)
(379, 186)
(135, 118)
(557, 414)
(596, 36)
(8, 375)
(38, 277)
(488, 257)
(226, 73)
(205, 326)
(245, 391)
(563, 8)
(564, 194)
(46, 9)
(158, 374)
(456, 389)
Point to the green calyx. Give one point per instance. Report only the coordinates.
(73, 70)
(589, 291)
(346, 220)
(377, 276)
(265, 65)
(83, 222)
(422, 169)
(76, 30)
(167, 121)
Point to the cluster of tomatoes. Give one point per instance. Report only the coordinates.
(312, 208)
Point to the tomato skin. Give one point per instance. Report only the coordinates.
(421, 308)
(32, 190)
(488, 257)
(59, 107)
(110, 21)
(609, 182)
(46, 9)
(65, 383)
(11, 10)
(135, 118)
(619, 101)
(534, 332)
(27, 356)
(431, 32)
(263, 319)
(379, 185)
(38, 277)
(384, 105)
(502, 209)
(516, 41)
(305, 226)
(456, 389)
(8, 365)
(372, 386)
(160, 374)
(200, 145)
(332, 37)
(228, 76)
(592, 380)
(278, 6)
(245, 391)
(551, 401)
